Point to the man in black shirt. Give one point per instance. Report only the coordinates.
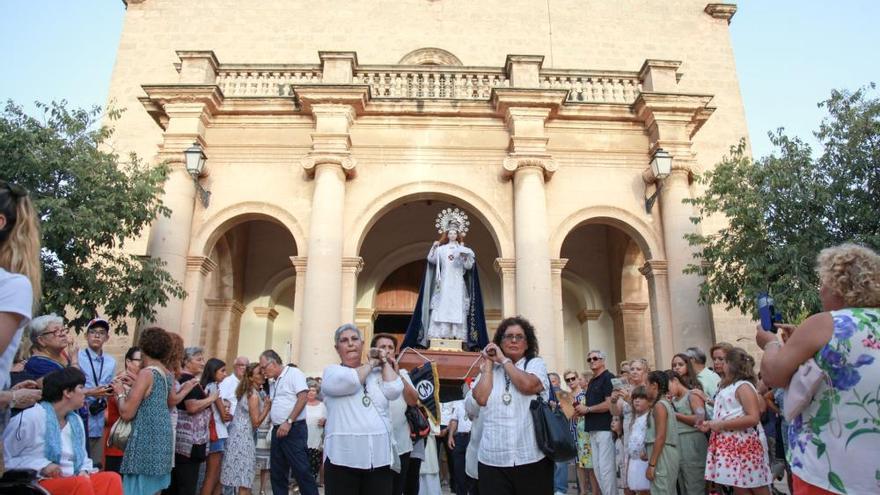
(597, 422)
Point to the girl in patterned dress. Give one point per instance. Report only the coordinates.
(240, 461)
(738, 448)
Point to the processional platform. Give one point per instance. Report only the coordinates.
(451, 365)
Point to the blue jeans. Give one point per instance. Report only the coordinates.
(289, 453)
(560, 477)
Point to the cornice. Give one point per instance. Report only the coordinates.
(355, 95)
(653, 268)
(691, 110)
(723, 11)
(268, 313)
(588, 315)
(202, 264)
(505, 265)
(502, 99)
(159, 96)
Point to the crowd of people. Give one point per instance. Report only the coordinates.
(172, 420)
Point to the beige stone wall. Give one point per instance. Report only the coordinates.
(254, 160)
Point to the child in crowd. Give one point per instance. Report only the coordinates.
(619, 449)
(661, 439)
(638, 458)
(738, 448)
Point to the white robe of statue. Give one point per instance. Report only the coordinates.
(449, 298)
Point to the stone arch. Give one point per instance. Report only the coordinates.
(277, 283)
(425, 190)
(430, 56)
(227, 218)
(639, 230)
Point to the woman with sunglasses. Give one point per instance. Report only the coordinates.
(511, 375)
(19, 290)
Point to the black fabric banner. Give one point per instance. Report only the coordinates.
(427, 384)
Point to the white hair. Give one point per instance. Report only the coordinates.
(599, 353)
(345, 327)
(39, 325)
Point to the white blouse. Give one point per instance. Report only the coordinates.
(399, 424)
(356, 435)
(508, 437)
(24, 443)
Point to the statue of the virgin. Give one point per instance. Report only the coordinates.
(450, 304)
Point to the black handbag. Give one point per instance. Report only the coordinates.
(552, 430)
(418, 423)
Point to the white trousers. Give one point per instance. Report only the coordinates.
(604, 461)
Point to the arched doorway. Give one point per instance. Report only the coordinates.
(394, 252)
(249, 296)
(605, 298)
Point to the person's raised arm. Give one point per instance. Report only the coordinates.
(8, 326)
(339, 381)
(781, 361)
(528, 382)
(483, 388)
(696, 403)
(258, 416)
(129, 404)
(195, 405)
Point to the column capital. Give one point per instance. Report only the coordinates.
(654, 268)
(630, 307)
(311, 161)
(264, 312)
(724, 11)
(165, 102)
(365, 314)
(299, 264)
(202, 264)
(353, 264)
(226, 305)
(505, 266)
(355, 96)
(588, 315)
(556, 265)
(514, 163)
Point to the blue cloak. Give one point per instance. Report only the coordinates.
(417, 330)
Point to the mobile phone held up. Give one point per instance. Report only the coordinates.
(767, 312)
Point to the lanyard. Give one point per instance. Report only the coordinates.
(101, 373)
(278, 382)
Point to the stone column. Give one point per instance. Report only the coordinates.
(632, 342)
(585, 316)
(507, 268)
(218, 340)
(184, 112)
(556, 267)
(269, 314)
(672, 119)
(330, 164)
(299, 266)
(661, 311)
(529, 165)
(351, 268)
(197, 270)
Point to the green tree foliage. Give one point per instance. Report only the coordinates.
(90, 201)
(786, 207)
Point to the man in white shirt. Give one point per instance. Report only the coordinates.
(459, 438)
(289, 393)
(230, 383)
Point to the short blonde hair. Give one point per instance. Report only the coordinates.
(853, 271)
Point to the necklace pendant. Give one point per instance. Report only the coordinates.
(366, 401)
(506, 398)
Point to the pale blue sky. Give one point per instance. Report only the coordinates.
(789, 55)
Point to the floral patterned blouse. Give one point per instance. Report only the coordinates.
(842, 423)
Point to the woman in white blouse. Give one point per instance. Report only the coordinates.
(358, 445)
(50, 439)
(511, 376)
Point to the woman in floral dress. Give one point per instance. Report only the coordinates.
(240, 460)
(738, 448)
(832, 443)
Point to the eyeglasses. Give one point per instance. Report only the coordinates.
(57, 333)
(96, 331)
(593, 359)
(514, 337)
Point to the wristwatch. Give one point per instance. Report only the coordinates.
(288, 421)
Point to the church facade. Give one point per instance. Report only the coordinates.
(335, 131)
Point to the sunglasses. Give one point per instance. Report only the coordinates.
(593, 359)
(570, 379)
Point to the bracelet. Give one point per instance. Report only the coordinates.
(12, 404)
(772, 342)
(505, 361)
(119, 397)
(652, 465)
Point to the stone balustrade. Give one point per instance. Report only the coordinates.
(594, 87)
(265, 81)
(425, 82)
(428, 82)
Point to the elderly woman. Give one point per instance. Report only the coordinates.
(358, 443)
(193, 418)
(511, 375)
(51, 346)
(51, 439)
(844, 340)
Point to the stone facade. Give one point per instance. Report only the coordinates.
(335, 132)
